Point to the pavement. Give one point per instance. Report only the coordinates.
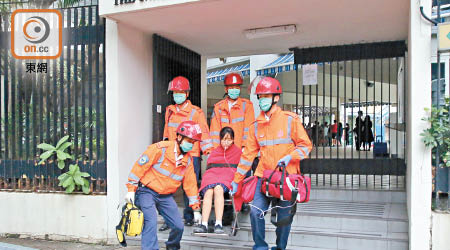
(34, 244)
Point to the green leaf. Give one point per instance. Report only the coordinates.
(78, 179)
(60, 142)
(41, 162)
(86, 189)
(70, 188)
(61, 182)
(46, 146)
(84, 174)
(62, 155)
(69, 181)
(44, 156)
(64, 146)
(73, 168)
(63, 176)
(61, 164)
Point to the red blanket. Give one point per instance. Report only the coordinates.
(221, 166)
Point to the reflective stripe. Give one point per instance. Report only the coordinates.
(245, 162)
(214, 133)
(209, 145)
(275, 142)
(213, 114)
(176, 177)
(192, 114)
(173, 124)
(243, 106)
(289, 127)
(133, 177)
(192, 200)
(305, 149)
(246, 129)
(302, 156)
(256, 130)
(224, 120)
(132, 183)
(206, 141)
(164, 171)
(286, 140)
(239, 119)
(241, 171)
(216, 141)
(244, 137)
(189, 161)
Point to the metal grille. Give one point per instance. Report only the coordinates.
(43, 107)
(367, 78)
(170, 60)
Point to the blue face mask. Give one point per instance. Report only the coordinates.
(179, 98)
(186, 146)
(234, 93)
(265, 104)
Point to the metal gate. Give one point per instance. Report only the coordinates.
(354, 82)
(44, 100)
(170, 60)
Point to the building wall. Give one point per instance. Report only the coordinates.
(60, 216)
(129, 113)
(418, 179)
(440, 231)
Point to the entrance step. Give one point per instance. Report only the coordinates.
(333, 219)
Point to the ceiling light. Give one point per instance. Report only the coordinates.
(270, 31)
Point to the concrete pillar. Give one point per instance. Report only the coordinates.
(418, 92)
(128, 109)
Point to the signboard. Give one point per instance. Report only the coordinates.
(309, 74)
(444, 36)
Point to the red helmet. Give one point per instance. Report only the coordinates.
(190, 129)
(179, 83)
(268, 85)
(233, 79)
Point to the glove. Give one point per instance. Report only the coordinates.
(286, 159)
(234, 187)
(130, 197)
(197, 217)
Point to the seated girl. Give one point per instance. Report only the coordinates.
(216, 181)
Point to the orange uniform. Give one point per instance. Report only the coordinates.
(175, 114)
(239, 118)
(275, 138)
(157, 169)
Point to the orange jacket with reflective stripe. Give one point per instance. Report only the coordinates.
(187, 112)
(239, 119)
(275, 138)
(157, 170)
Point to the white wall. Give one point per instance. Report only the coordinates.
(61, 216)
(441, 231)
(418, 184)
(129, 98)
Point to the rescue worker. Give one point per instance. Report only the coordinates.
(183, 110)
(278, 136)
(158, 173)
(233, 111)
